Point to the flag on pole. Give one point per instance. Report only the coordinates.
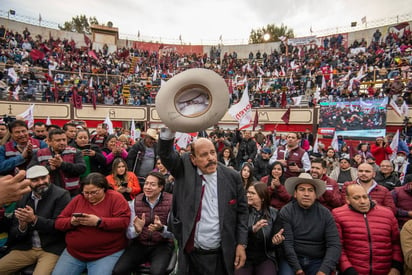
(335, 143)
(297, 100)
(242, 111)
(92, 54)
(16, 92)
(28, 116)
(87, 40)
(286, 116)
(183, 140)
(133, 133)
(109, 124)
(395, 107)
(154, 75)
(13, 75)
(316, 145)
(76, 98)
(256, 120)
(323, 86)
(405, 109)
(363, 20)
(394, 145)
(48, 121)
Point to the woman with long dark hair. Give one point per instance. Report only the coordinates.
(246, 173)
(264, 233)
(276, 185)
(227, 158)
(112, 149)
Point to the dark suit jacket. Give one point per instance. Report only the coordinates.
(48, 208)
(233, 211)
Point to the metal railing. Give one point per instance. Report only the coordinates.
(367, 25)
(168, 40)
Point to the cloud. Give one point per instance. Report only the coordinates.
(207, 20)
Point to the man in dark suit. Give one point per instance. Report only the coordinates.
(209, 213)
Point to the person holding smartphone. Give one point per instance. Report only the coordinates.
(92, 154)
(95, 223)
(113, 149)
(123, 181)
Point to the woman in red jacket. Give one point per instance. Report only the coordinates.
(123, 181)
(276, 185)
(380, 150)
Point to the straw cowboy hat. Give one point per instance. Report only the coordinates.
(151, 133)
(293, 182)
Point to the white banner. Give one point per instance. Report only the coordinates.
(301, 41)
(242, 111)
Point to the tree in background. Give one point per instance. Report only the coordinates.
(79, 24)
(274, 32)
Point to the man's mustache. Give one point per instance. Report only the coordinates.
(211, 163)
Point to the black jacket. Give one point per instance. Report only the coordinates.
(48, 208)
(389, 182)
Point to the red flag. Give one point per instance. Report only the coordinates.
(93, 99)
(77, 99)
(48, 77)
(87, 40)
(93, 54)
(230, 86)
(256, 120)
(55, 92)
(36, 54)
(283, 101)
(286, 116)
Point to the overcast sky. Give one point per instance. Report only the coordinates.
(201, 21)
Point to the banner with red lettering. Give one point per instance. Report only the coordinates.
(242, 111)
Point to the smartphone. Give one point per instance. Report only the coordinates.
(77, 215)
(123, 184)
(87, 147)
(292, 163)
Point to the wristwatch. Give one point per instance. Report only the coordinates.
(99, 221)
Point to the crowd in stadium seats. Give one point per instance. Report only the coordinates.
(53, 67)
(84, 176)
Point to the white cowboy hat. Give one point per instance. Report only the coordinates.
(291, 183)
(193, 100)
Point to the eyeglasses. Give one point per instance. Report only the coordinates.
(91, 193)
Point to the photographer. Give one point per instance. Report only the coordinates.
(123, 181)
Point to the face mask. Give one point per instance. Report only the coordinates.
(400, 159)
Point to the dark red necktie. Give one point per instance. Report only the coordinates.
(191, 241)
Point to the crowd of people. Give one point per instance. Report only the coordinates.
(227, 202)
(232, 202)
(58, 70)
